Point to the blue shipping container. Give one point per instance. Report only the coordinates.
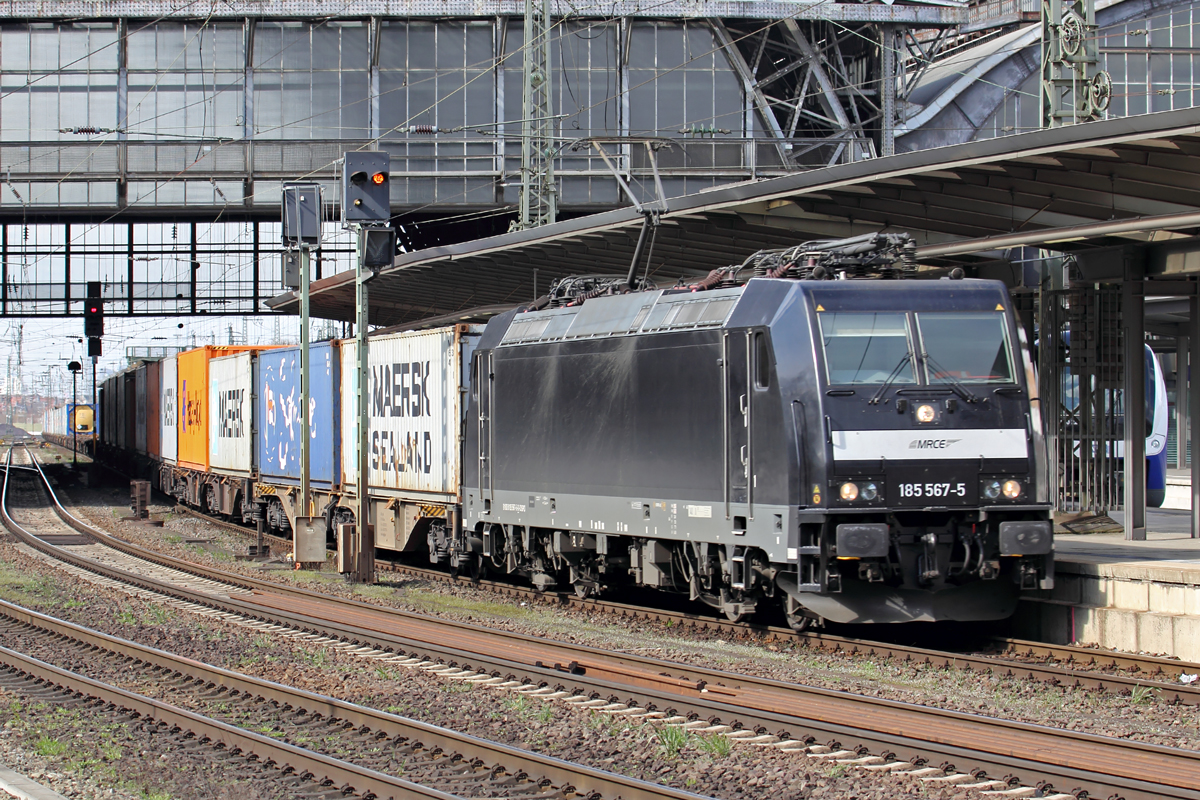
(279, 419)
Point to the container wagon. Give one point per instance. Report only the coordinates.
(214, 467)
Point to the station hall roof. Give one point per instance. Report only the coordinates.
(1132, 179)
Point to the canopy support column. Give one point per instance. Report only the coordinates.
(1134, 328)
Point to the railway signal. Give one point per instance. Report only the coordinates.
(302, 229)
(93, 311)
(366, 187)
(378, 247)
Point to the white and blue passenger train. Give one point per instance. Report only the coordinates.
(1157, 422)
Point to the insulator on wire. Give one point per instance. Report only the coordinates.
(427, 129)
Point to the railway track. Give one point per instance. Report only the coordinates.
(1056, 665)
(816, 723)
(367, 745)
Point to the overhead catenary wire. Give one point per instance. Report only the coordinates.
(583, 109)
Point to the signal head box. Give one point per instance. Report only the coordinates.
(366, 187)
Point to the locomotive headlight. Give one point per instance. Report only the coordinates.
(849, 492)
(1011, 489)
(991, 490)
(926, 413)
(869, 492)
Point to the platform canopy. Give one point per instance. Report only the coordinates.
(1072, 189)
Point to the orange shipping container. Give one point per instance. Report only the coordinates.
(193, 402)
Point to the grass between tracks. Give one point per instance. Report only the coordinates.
(71, 740)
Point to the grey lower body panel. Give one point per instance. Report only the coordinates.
(860, 602)
(648, 517)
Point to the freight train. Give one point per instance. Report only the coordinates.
(70, 425)
(811, 430)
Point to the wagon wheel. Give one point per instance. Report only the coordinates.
(475, 567)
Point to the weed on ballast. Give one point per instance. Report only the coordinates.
(318, 658)
(457, 687)
(672, 739)
(1140, 695)
(432, 601)
(49, 748)
(376, 592)
(385, 674)
(716, 745)
(517, 705)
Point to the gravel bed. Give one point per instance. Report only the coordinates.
(82, 753)
(19, 753)
(700, 765)
(1144, 718)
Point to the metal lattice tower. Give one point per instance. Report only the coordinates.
(539, 195)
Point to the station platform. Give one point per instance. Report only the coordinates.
(14, 784)
(1132, 596)
(1179, 489)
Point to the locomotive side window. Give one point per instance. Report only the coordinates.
(965, 347)
(866, 348)
(762, 361)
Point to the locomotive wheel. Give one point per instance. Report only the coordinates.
(475, 567)
(799, 622)
(582, 591)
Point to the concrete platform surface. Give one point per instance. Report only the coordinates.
(13, 784)
(1133, 596)
(1168, 538)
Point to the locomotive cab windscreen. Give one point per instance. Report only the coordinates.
(947, 348)
(933, 498)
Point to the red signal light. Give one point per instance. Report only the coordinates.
(378, 178)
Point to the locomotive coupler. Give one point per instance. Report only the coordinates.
(870, 571)
(1028, 573)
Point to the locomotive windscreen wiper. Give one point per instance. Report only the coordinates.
(947, 377)
(891, 378)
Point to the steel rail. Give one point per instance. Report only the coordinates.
(270, 538)
(1149, 671)
(1103, 659)
(1097, 764)
(559, 772)
(338, 772)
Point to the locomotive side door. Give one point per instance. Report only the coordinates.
(738, 418)
(483, 381)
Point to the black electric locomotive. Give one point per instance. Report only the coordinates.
(808, 428)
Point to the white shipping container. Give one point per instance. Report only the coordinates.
(58, 421)
(168, 407)
(230, 384)
(415, 408)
